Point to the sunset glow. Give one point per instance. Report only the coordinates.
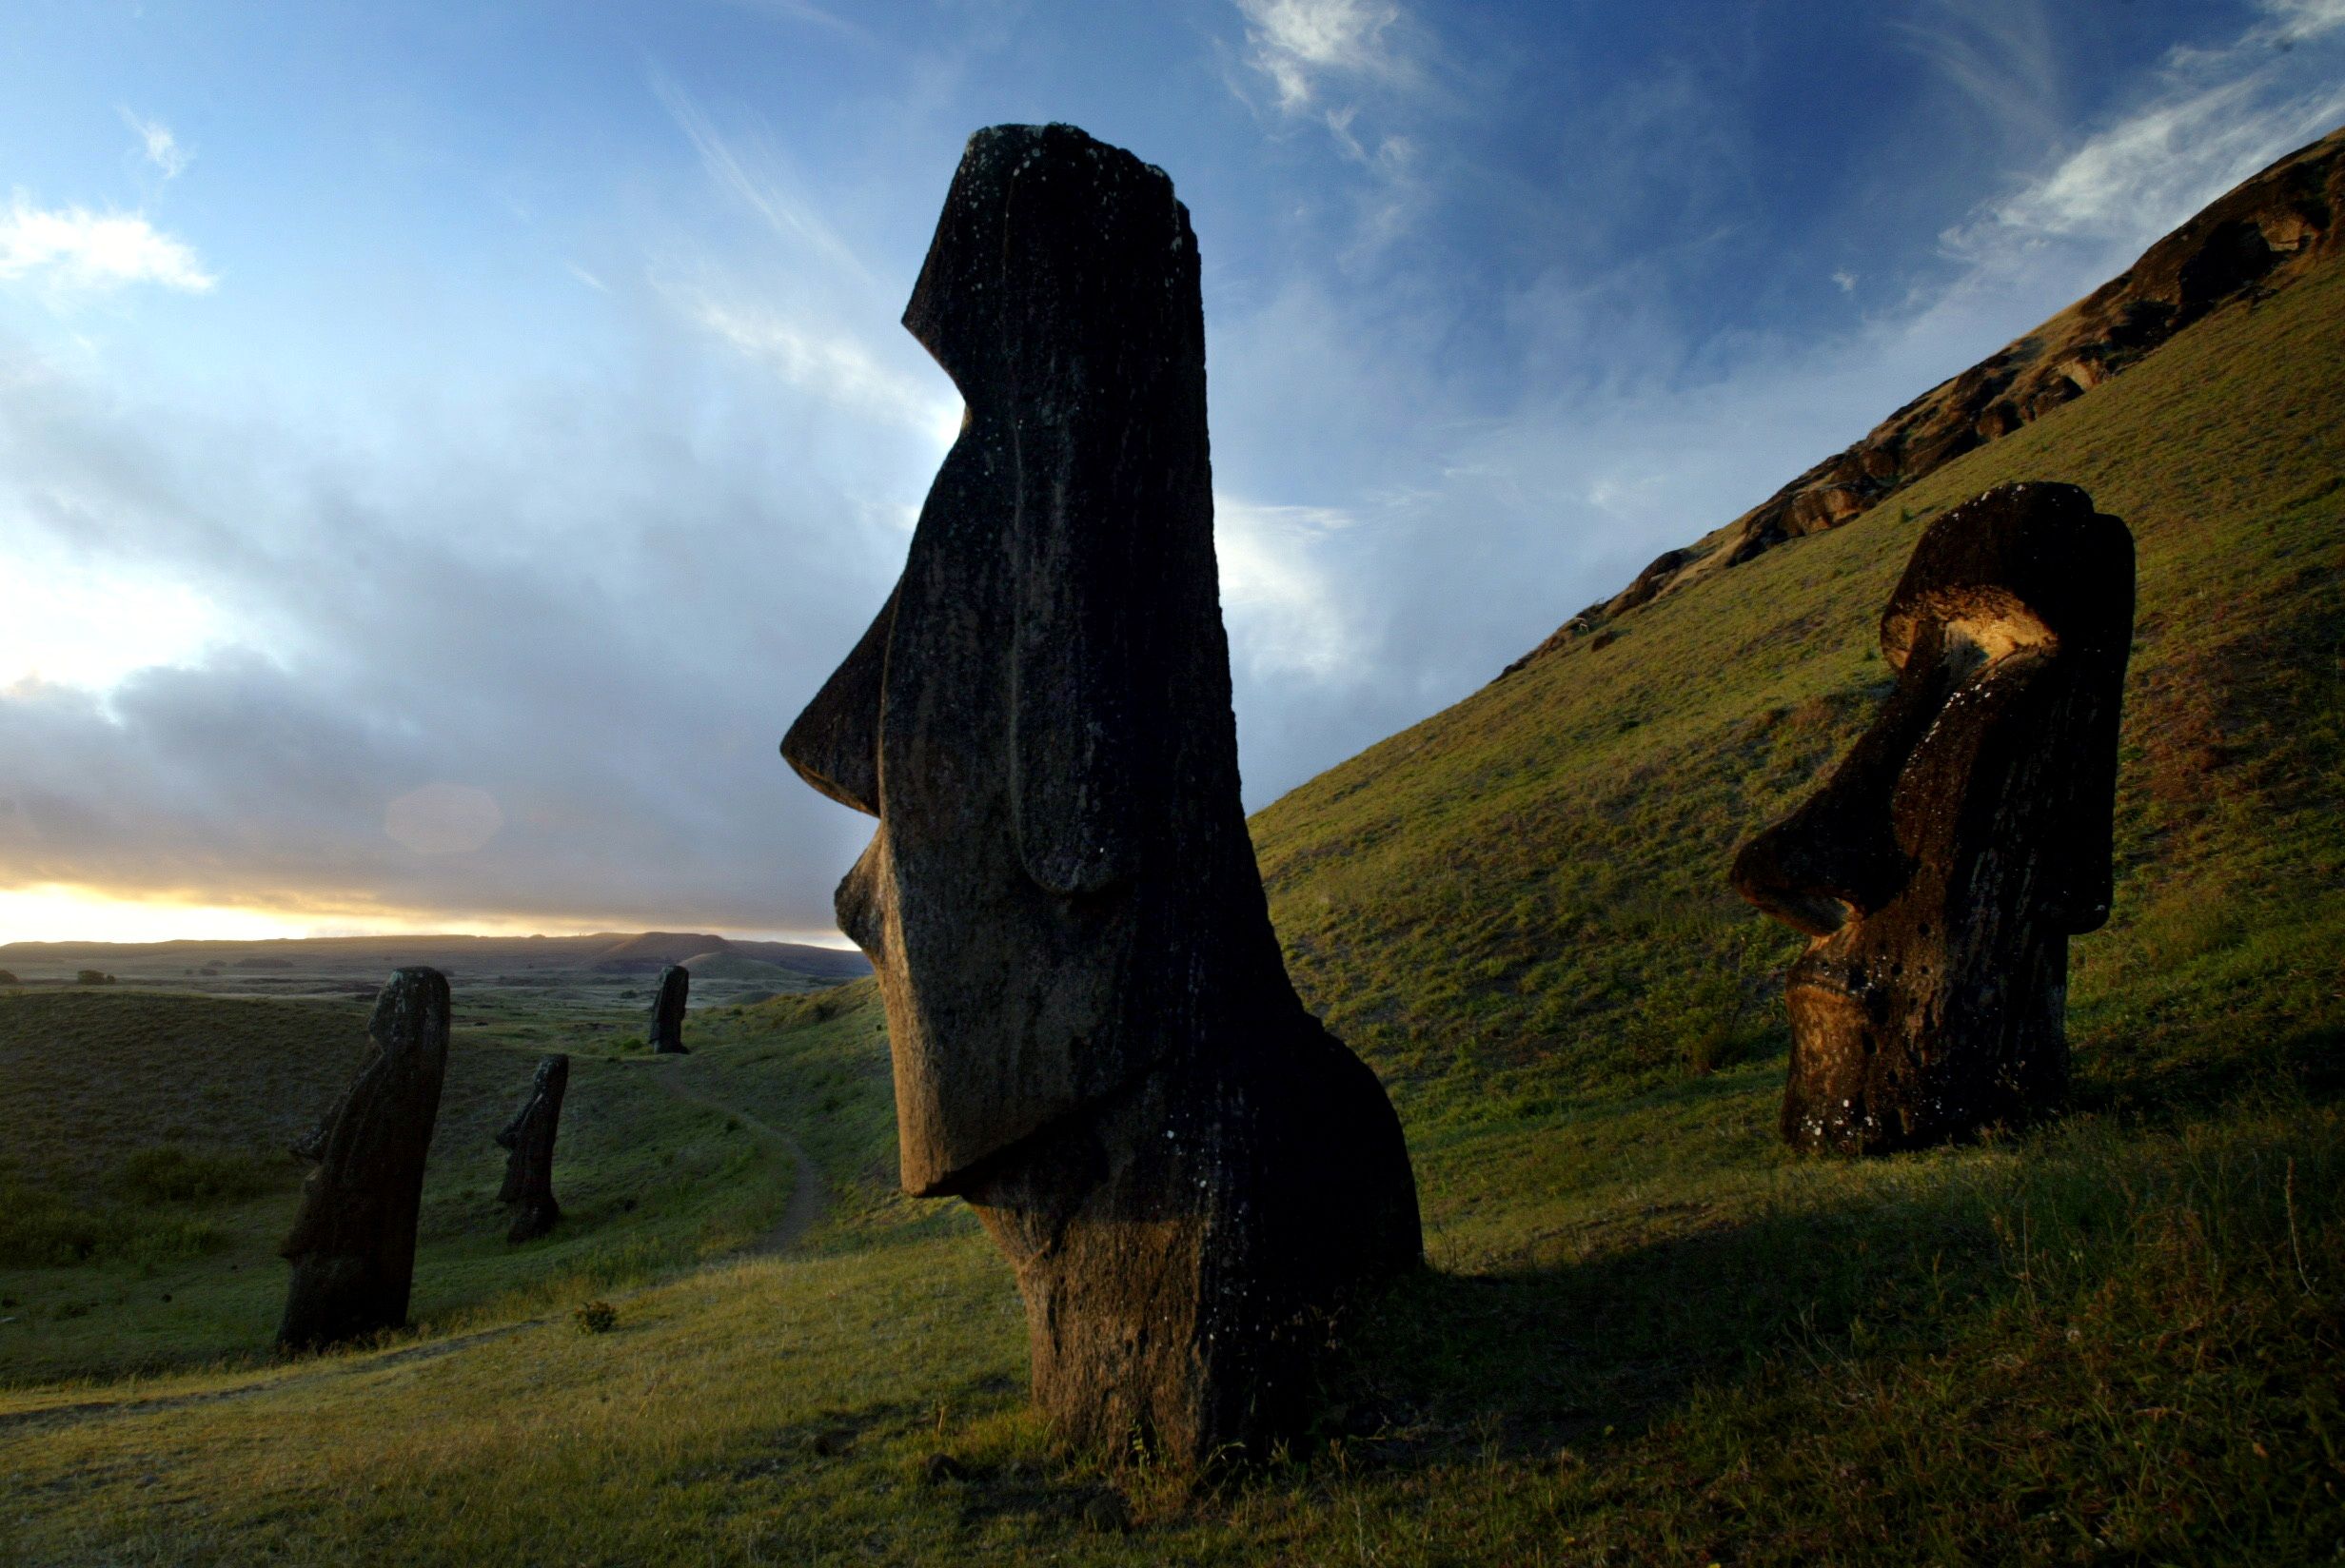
(58, 914)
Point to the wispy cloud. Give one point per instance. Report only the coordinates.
(759, 183)
(1286, 617)
(2211, 118)
(1997, 54)
(73, 251)
(839, 370)
(159, 147)
(805, 11)
(1362, 71)
(783, 303)
(1303, 46)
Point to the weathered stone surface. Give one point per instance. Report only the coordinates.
(529, 1189)
(1966, 837)
(666, 1037)
(1094, 1039)
(352, 1244)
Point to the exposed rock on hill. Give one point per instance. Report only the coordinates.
(2257, 239)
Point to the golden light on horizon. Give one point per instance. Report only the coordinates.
(54, 913)
(64, 912)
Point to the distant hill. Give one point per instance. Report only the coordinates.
(2263, 236)
(511, 956)
(740, 965)
(657, 949)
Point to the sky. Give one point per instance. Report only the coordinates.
(441, 446)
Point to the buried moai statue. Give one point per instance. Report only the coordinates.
(529, 1189)
(352, 1245)
(1096, 1043)
(1943, 867)
(667, 1011)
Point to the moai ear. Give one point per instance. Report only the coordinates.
(835, 743)
(1081, 415)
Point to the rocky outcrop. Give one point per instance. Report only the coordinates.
(1093, 1035)
(352, 1244)
(1943, 868)
(529, 1189)
(2255, 240)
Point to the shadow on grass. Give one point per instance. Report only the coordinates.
(1627, 1316)
(2161, 1087)
(1535, 1358)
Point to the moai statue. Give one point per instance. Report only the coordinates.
(352, 1245)
(529, 1189)
(1096, 1042)
(667, 1012)
(1943, 867)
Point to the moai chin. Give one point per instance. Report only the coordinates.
(529, 1189)
(1943, 868)
(1094, 1039)
(666, 1037)
(352, 1244)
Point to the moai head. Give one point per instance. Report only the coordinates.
(1943, 867)
(1061, 885)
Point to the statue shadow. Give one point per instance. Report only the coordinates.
(1530, 1359)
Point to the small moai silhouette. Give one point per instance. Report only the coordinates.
(667, 1011)
(529, 1189)
(352, 1245)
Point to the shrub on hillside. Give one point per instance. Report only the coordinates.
(39, 1229)
(93, 977)
(172, 1174)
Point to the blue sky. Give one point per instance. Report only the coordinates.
(441, 446)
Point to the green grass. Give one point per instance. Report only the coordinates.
(145, 1183)
(1522, 901)
(1649, 1334)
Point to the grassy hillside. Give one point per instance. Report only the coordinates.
(145, 1184)
(1520, 905)
(1651, 1335)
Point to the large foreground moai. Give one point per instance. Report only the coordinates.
(1943, 867)
(352, 1245)
(529, 1189)
(1094, 1039)
(667, 1011)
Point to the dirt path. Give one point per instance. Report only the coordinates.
(809, 1197)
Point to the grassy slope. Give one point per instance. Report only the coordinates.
(110, 1265)
(1649, 1335)
(1520, 903)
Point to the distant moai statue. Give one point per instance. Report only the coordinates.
(352, 1244)
(529, 1189)
(1943, 868)
(667, 1011)
(1096, 1042)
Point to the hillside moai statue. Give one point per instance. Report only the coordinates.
(529, 1189)
(1944, 865)
(667, 1011)
(1096, 1043)
(352, 1245)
